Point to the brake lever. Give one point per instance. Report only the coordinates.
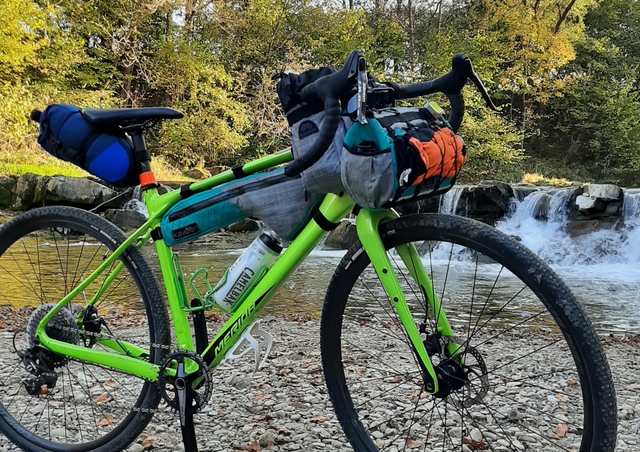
(471, 74)
(485, 95)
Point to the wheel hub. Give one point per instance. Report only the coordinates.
(451, 377)
(458, 372)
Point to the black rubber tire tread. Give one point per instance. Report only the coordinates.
(133, 425)
(597, 382)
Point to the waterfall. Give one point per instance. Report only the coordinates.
(547, 236)
(536, 205)
(559, 204)
(449, 201)
(632, 205)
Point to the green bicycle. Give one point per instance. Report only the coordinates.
(437, 332)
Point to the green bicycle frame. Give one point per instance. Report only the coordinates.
(130, 359)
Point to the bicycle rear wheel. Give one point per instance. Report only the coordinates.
(66, 405)
(532, 374)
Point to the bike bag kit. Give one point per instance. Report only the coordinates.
(305, 122)
(400, 155)
(279, 201)
(105, 153)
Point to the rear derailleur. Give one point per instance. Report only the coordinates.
(36, 362)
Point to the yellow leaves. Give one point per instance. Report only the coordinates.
(19, 22)
(540, 34)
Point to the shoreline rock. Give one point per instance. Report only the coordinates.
(589, 208)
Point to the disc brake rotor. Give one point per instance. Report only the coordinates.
(477, 374)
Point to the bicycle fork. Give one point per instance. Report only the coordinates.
(367, 223)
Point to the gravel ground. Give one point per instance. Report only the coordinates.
(285, 407)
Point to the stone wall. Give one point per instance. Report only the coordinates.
(588, 207)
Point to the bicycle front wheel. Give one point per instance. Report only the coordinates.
(531, 374)
(47, 401)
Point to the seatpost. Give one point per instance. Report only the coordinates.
(143, 157)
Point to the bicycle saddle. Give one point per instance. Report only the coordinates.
(128, 116)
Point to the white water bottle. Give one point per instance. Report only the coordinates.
(262, 252)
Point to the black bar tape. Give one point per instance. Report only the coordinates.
(237, 171)
(185, 191)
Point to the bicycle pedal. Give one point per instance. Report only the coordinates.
(249, 339)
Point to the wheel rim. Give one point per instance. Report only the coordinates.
(89, 405)
(534, 396)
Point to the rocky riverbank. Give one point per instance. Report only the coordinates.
(284, 406)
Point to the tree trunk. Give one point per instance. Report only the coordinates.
(412, 53)
(439, 26)
(125, 90)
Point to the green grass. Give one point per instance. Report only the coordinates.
(38, 162)
(16, 169)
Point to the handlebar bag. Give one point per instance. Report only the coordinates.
(305, 122)
(279, 201)
(105, 153)
(400, 155)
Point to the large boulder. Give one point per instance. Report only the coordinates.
(600, 200)
(488, 201)
(29, 191)
(197, 173)
(125, 219)
(429, 204)
(77, 191)
(596, 207)
(246, 225)
(7, 190)
(523, 189)
(342, 237)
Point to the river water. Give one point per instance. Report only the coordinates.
(602, 268)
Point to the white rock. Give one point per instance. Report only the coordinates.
(606, 192)
(476, 435)
(585, 202)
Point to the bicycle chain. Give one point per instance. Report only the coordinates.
(104, 336)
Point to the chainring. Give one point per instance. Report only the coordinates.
(62, 327)
(199, 382)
